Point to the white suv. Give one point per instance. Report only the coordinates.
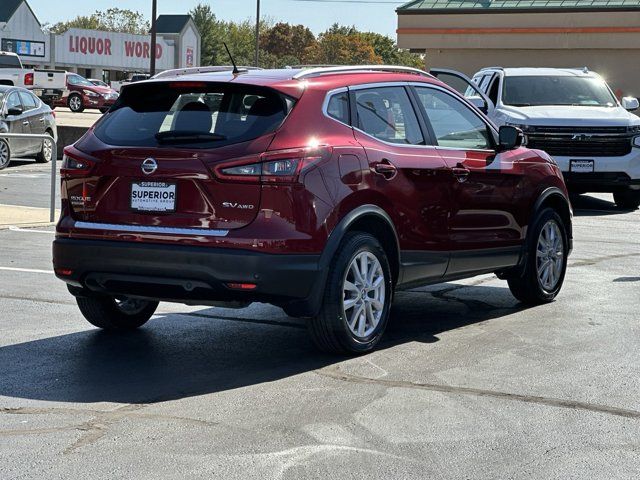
(574, 116)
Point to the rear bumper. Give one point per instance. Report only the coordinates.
(184, 274)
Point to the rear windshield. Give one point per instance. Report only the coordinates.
(9, 61)
(192, 115)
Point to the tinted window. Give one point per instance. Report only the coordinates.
(205, 116)
(338, 107)
(13, 101)
(9, 61)
(386, 113)
(556, 90)
(493, 90)
(454, 123)
(28, 101)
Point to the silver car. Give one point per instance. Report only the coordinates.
(22, 112)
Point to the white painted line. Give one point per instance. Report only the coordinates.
(13, 228)
(26, 270)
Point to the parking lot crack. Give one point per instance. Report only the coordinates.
(334, 372)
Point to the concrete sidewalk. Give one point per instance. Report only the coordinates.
(20, 216)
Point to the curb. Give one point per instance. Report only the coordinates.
(27, 225)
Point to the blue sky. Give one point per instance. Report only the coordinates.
(317, 16)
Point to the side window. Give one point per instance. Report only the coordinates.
(386, 114)
(470, 92)
(28, 101)
(13, 101)
(455, 125)
(493, 90)
(485, 82)
(338, 107)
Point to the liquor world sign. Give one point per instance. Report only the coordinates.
(111, 50)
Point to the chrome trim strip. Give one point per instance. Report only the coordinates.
(145, 229)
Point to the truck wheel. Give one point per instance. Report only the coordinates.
(357, 298)
(75, 103)
(627, 199)
(5, 154)
(546, 262)
(46, 152)
(122, 313)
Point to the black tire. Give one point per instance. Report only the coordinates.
(75, 103)
(42, 156)
(104, 110)
(110, 314)
(527, 286)
(5, 154)
(329, 330)
(627, 199)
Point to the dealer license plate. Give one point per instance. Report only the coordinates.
(153, 196)
(581, 166)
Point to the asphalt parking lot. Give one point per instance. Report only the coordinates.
(467, 384)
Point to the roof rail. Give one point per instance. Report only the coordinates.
(315, 72)
(178, 72)
(492, 68)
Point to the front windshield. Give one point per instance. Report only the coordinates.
(78, 80)
(528, 91)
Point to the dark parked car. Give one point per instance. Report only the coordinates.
(321, 191)
(83, 94)
(22, 112)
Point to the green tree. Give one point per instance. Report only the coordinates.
(290, 43)
(111, 20)
(206, 21)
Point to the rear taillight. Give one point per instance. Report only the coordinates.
(282, 166)
(28, 79)
(74, 165)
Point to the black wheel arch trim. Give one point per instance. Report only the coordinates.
(547, 193)
(311, 305)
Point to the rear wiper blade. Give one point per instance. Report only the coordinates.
(188, 137)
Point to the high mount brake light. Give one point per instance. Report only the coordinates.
(74, 165)
(283, 166)
(187, 85)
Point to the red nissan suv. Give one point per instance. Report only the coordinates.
(321, 191)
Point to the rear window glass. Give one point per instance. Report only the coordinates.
(199, 116)
(9, 61)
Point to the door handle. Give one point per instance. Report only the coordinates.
(386, 169)
(25, 122)
(461, 173)
(42, 120)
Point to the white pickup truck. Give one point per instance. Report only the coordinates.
(570, 113)
(49, 85)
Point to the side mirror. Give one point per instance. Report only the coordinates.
(479, 103)
(509, 138)
(630, 103)
(15, 111)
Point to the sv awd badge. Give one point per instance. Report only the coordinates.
(240, 206)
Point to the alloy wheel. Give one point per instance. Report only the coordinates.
(364, 291)
(4, 154)
(130, 306)
(47, 149)
(550, 256)
(75, 103)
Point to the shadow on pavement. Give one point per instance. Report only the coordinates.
(176, 356)
(586, 206)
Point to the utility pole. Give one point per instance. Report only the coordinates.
(154, 15)
(257, 33)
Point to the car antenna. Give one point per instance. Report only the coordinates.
(235, 68)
